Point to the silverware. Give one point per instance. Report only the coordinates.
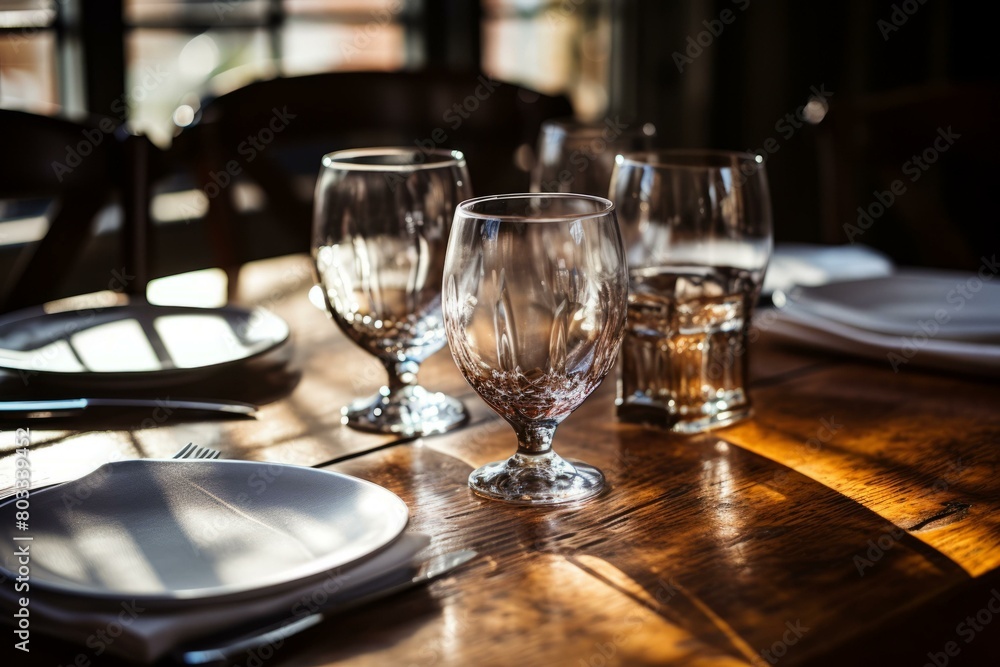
(225, 651)
(193, 451)
(188, 451)
(67, 407)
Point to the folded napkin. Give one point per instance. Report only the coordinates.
(800, 264)
(145, 632)
(914, 317)
(943, 304)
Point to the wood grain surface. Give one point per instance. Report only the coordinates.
(853, 520)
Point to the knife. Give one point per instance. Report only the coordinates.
(68, 407)
(226, 651)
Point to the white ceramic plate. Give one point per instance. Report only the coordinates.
(135, 339)
(198, 530)
(807, 330)
(899, 304)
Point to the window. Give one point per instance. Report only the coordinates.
(554, 46)
(153, 63)
(179, 53)
(28, 50)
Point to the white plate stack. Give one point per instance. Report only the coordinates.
(911, 318)
(167, 551)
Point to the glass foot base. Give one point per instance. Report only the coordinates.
(409, 411)
(545, 479)
(659, 416)
(710, 422)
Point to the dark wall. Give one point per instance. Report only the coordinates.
(892, 73)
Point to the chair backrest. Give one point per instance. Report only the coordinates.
(275, 133)
(79, 167)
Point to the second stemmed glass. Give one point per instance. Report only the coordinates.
(380, 233)
(535, 297)
(574, 156)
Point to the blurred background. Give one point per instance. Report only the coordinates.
(844, 100)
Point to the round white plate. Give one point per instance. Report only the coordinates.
(155, 530)
(898, 304)
(136, 339)
(138, 349)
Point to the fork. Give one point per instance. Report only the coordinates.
(188, 452)
(193, 451)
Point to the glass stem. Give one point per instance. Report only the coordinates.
(402, 374)
(535, 438)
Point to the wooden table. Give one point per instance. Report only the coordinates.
(854, 520)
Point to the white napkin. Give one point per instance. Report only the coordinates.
(803, 264)
(144, 632)
(942, 304)
(896, 352)
(915, 317)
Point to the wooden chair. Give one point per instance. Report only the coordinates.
(79, 167)
(274, 133)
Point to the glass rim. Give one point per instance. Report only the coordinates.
(690, 158)
(566, 123)
(464, 208)
(344, 160)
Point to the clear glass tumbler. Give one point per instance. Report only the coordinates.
(697, 230)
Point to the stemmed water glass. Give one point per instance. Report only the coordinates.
(574, 156)
(379, 237)
(534, 309)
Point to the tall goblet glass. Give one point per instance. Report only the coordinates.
(536, 292)
(379, 237)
